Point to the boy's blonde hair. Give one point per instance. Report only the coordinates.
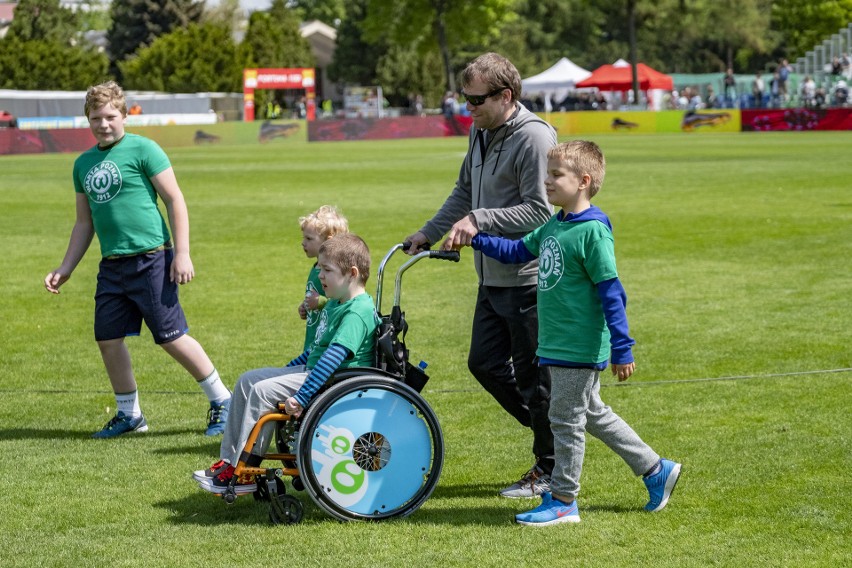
(327, 221)
(582, 157)
(348, 250)
(104, 94)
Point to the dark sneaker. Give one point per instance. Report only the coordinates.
(550, 512)
(120, 424)
(219, 483)
(534, 483)
(212, 471)
(661, 484)
(217, 416)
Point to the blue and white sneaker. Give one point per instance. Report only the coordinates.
(217, 416)
(120, 424)
(661, 484)
(550, 512)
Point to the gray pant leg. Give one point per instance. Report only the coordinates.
(575, 407)
(612, 430)
(256, 393)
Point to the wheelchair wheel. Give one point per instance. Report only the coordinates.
(288, 511)
(370, 448)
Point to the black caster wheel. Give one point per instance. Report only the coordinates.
(298, 484)
(229, 496)
(286, 511)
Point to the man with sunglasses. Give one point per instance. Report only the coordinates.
(500, 190)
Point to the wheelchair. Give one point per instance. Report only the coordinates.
(368, 447)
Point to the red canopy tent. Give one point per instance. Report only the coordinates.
(620, 78)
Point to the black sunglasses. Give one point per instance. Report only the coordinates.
(479, 100)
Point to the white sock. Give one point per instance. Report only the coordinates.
(128, 403)
(213, 387)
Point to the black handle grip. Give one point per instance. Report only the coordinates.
(407, 245)
(451, 255)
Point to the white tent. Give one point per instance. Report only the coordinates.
(554, 83)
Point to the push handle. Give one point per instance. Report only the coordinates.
(451, 255)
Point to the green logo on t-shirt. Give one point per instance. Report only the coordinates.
(103, 182)
(550, 264)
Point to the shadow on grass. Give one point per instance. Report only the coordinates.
(210, 449)
(205, 509)
(54, 434)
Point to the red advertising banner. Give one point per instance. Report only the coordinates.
(15, 141)
(796, 119)
(388, 128)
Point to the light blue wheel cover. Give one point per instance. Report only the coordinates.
(383, 490)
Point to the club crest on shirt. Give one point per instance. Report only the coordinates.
(550, 264)
(103, 182)
(323, 325)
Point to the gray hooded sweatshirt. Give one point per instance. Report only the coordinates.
(504, 192)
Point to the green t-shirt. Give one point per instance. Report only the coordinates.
(352, 325)
(122, 199)
(572, 259)
(312, 321)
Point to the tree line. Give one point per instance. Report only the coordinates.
(405, 46)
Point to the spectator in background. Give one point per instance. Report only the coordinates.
(757, 87)
(730, 87)
(846, 66)
(836, 67)
(784, 71)
(712, 99)
(807, 92)
(450, 105)
(775, 91)
(819, 98)
(841, 94)
(695, 102)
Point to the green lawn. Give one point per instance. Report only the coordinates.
(735, 253)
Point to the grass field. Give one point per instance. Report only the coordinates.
(735, 254)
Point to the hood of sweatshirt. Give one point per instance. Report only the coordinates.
(591, 214)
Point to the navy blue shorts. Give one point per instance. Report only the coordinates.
(134, 288)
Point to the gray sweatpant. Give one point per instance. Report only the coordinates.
(576, 408)
(256, 393)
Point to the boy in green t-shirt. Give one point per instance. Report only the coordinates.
(347, 327)
(117, 183)
(317, 227)
(582, 324)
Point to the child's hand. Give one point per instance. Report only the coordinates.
(292, 407)
(54, 280)
(303, 311)
(623, 372)
(181, 270)
(312, 300)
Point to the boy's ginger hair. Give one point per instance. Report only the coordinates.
(104, 94)
(582, 157)
(328, 221)
(348, 250)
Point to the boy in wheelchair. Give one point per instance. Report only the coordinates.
(347, 329)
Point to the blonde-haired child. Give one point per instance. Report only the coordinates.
(317, 227)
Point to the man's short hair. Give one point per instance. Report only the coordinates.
(582, 157)
(327, 221)
(104, 94)
(495, 71)
(348, 250)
